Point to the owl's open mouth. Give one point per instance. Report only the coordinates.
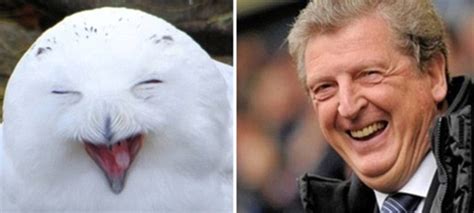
(116, 158)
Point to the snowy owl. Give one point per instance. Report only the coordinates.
(114, 110)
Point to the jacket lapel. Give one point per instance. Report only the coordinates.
(431, 194)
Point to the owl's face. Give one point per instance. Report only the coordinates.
(112, 85)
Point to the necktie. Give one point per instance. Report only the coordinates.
(400, 203)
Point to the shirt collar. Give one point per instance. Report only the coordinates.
(417, 185)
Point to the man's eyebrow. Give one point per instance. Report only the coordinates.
(365, 63)
(359, 65)
(316, 79)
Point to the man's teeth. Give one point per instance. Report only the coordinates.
(368, 130)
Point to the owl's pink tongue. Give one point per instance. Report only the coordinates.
(115, 159)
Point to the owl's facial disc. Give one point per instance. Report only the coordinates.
(115, 159)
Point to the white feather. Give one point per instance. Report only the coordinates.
(88, 67)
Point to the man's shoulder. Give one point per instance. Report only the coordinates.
(322, 194)
(452, 146)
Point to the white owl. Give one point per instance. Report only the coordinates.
(113, 110)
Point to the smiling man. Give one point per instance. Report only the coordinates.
(376, 73)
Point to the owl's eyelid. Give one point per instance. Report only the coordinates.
(63, 92)
(151, 81)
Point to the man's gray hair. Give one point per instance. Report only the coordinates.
(418, 28)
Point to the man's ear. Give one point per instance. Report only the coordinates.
(436, 71)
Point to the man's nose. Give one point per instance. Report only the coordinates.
(350, 101)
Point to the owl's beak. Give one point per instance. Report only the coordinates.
(115, 159)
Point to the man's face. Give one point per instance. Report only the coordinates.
(374, 105)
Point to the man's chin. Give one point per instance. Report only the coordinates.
(373, 165)
(385, 181)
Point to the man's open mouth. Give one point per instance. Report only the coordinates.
(368, 132)
(115, 158)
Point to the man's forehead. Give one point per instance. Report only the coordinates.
(362, 32)
(370, 34)
(357, 30)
